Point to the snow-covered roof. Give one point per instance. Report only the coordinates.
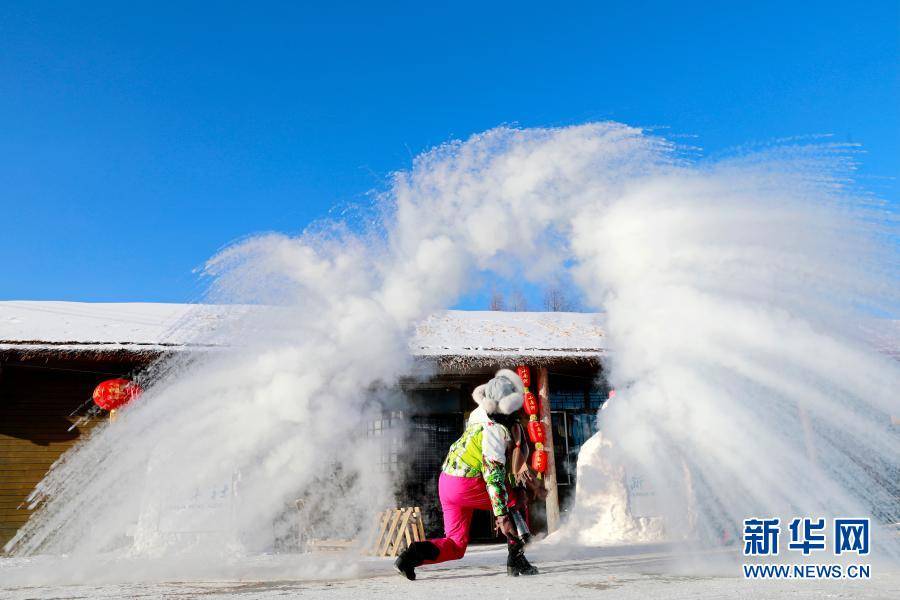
(494, 333)
(134, 326)
(137, 327)
(30, 326)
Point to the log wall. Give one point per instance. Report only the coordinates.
(36, 400)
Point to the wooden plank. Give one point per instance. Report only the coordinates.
(42, 439)
(38, 451)
(13, 470)
(30, 479)
(407, 532)
(330, 544)
(36, 475)
(15, 485)
(407, 513)
(390, 530)
(420, 525)
(384, 518)
(16, 518)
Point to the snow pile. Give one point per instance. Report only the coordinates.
(606, 510)
(728, 288)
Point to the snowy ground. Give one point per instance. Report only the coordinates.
(626, 572)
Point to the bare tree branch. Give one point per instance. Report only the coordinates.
(517, 302)
(497, 301)
(555, 300)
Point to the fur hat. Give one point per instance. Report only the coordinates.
(503, 394)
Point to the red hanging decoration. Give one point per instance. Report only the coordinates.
(536, 432)
(539, 461)
(524, 374)
(114, 393)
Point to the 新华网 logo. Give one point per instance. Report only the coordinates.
(807, 536)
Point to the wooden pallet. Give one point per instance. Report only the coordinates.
(330, 545)
(396, 529)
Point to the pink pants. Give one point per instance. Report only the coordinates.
(460, 497)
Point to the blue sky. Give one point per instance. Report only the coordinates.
(138, 138)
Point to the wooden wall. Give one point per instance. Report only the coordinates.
(36, 399)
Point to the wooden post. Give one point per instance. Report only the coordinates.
(550, 475)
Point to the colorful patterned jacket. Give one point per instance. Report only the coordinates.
(481, 452)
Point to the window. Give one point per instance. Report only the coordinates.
(389, 429)
(574, 402)
(567, 398)
(597, 395)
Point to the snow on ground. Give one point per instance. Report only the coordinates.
(623, 572)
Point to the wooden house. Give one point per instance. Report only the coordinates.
(53, 354)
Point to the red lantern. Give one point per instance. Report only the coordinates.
(531, 405)
(539, 461)
(113, 393)
(525, 374)
(536, 432)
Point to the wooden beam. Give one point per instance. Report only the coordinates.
(550, 475)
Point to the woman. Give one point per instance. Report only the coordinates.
(474, 477)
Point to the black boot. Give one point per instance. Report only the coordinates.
(413, 556)
(517, 564)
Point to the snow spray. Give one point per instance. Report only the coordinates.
(734, 292)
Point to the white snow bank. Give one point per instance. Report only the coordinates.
(612, 506)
